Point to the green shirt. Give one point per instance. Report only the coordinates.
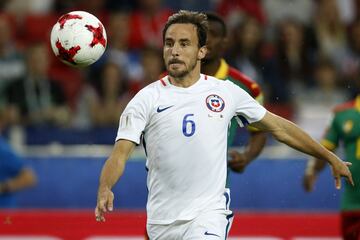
(345, 128)
(226, 72)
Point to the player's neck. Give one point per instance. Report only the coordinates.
(210, 66)
(187, 81)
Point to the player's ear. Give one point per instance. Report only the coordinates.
(225, 43)
(202, 52)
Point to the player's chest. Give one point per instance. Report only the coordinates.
(207, 111)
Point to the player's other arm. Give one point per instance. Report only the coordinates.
(314, 165)
(313, 168)
(110, 174)
(257, 139)
(256, 143)
(290, 134)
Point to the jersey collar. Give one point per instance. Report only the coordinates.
(165, 82)
(223, 70)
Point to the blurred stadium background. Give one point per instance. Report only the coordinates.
(303, 53)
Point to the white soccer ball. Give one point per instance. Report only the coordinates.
(78, 39)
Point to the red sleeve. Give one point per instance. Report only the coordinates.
(253, 87)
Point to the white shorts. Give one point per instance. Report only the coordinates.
(209, 225)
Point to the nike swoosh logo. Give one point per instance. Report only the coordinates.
(163, 109)
(211, 234)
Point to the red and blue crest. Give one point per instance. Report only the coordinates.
(215, 103)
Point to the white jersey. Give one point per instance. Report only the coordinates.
(185, 139)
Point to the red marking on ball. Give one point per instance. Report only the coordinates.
(98, 36)
(62, 20)
(67, 55)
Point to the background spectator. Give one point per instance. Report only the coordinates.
(35, 98)
(101, 105)
(280, 10)
(12, 64)
(146, 24)
(330, 32)
(118, 50)
(245, 50)
(350, 66)
(289, 70)
(233, 10)
(15, 174)
(152, 66)
(312, 105)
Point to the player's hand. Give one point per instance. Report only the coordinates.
(341, 169)
(105, 203)
(238, 161)
(309, 181)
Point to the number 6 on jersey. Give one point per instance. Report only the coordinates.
(188, 126)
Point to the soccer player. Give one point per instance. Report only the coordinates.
(345, 127)
(182, 120)
(214, 65)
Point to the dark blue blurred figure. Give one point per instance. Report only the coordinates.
(15, 174)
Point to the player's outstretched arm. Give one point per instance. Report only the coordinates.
(290, 134)
(239, 161)
(110, 174)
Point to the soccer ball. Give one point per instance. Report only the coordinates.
(78, 39)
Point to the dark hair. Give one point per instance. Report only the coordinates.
(213, 17)
(196, 18)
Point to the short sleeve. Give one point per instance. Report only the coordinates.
(247, 109)
(135, 117)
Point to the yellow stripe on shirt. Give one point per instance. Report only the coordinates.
(223, 70)
(328, 145)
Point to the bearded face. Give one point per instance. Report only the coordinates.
(181, 51)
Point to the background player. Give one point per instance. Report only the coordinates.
(345, 127)
(215, 65)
